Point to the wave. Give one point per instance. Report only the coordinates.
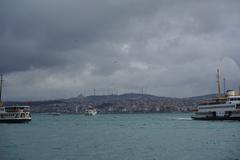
(185, 118)
(181, 118)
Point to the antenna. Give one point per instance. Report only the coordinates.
(1, 83)
(218, 83)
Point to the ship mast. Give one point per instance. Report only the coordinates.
(1, 82)
(224, 85)
(239, 89)
(218, 83)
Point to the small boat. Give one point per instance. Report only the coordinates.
(13, 114)
(90, 111)
(223, 107)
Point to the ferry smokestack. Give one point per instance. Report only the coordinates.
(230, 93)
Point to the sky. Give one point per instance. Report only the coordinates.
(52, 49)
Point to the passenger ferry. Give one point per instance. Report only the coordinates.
(13, 114)
(226, 107)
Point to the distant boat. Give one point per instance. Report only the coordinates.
(13, 114)
(225, 107)
(90, 111)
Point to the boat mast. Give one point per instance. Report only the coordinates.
(218, 83)
(239, 89)
(224, 85)
(1, 82)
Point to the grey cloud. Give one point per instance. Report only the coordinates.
(169, 47)
(45, 32)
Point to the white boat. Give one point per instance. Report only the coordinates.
(13, 114)
(226, 107)
(90, 112)
(219, 109)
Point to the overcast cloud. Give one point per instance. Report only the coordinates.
(59, 48)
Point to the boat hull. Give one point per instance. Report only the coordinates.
(15, 120)
(215, 118)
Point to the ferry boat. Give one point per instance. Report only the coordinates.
(90, 111)
(13, 114)
(223, 107)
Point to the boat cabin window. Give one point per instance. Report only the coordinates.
(234, 99)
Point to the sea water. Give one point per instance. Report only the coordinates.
(164, 136)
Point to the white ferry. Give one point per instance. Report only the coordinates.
(13, 114)
(225, 107)
(90, 111)
(221, 108)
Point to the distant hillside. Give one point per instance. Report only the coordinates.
(208, 96)
(125, 103)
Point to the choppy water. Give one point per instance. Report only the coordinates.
(120, 137)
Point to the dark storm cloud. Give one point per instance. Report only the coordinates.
(44, 33)
(170, 47)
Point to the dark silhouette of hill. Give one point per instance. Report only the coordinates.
(125, 103)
